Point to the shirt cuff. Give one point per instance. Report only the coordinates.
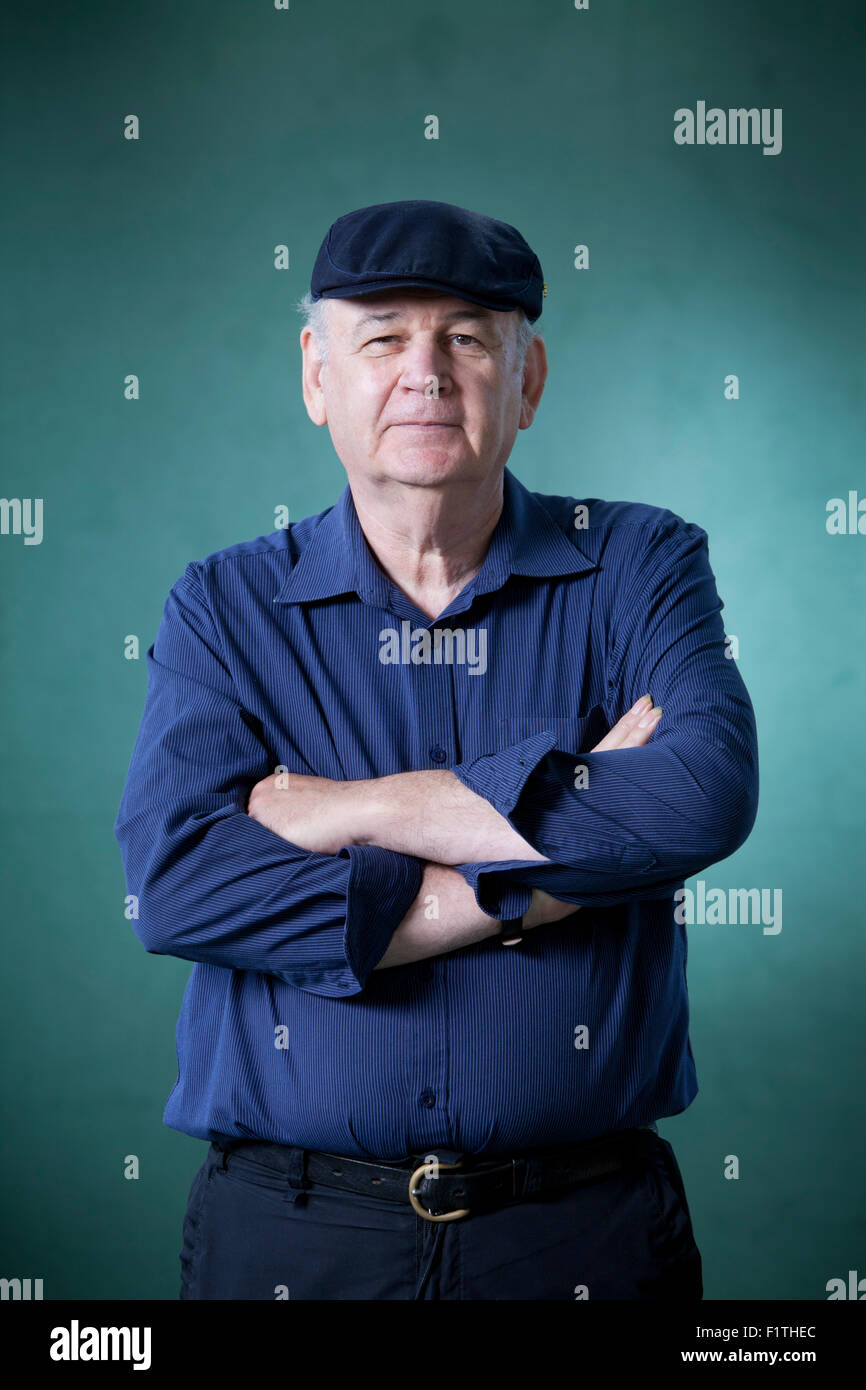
(383, 885)
(493, 893)
(501, 777)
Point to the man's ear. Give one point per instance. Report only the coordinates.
(311, 377)
(534, 377)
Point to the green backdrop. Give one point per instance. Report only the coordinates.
(258, 127)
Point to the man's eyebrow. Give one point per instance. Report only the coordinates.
(479, 315)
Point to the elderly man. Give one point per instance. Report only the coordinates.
(402, 793)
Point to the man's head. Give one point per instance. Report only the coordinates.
(419, 347)
(421, 387)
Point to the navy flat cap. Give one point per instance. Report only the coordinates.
(435, 246)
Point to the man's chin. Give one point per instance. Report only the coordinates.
(426, 464)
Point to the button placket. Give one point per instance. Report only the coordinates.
(431, 1125)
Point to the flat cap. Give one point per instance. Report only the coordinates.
(431, 245)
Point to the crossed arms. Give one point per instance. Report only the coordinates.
(434, 817)
(335, 878)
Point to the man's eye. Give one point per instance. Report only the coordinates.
(392, 338)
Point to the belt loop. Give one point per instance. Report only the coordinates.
(220, 1157)
(296, 1176)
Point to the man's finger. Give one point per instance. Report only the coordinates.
(643, 730)
(623, 727)
(634, 729)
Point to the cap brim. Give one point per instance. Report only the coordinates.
(374, 286)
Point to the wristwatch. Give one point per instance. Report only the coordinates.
(511, 933)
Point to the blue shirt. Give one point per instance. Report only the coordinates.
(291, 650)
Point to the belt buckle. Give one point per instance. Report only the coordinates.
(416, 1205)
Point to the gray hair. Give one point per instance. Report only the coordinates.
(315, 319)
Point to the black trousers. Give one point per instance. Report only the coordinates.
(249, 1233)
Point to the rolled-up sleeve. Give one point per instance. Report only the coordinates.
(211, 883)
(636, 822)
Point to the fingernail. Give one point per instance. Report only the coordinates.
(651, 718)
(643, 699)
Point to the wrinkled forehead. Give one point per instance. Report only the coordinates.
(352, 315)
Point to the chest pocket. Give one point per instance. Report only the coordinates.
(573, 734)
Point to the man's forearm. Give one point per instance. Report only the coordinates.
(432, 815)
(443, 917)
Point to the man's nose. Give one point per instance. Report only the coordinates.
(423, 363)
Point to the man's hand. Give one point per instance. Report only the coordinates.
(634, 729)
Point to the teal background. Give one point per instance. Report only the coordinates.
(156, 257)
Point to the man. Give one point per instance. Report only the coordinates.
(380, 745)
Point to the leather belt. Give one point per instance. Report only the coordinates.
(445, 1190)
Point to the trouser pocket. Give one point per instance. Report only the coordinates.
(671, 1235)
(192, 1228)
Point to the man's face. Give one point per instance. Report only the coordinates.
(388, 356)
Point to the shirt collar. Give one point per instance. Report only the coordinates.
(338, 560)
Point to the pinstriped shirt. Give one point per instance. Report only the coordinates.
(297, 650)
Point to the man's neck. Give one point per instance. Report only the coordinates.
(429, 541)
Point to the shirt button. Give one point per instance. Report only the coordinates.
(437, 753)
(428, 1098)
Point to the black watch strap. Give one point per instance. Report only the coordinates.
(511, 933)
